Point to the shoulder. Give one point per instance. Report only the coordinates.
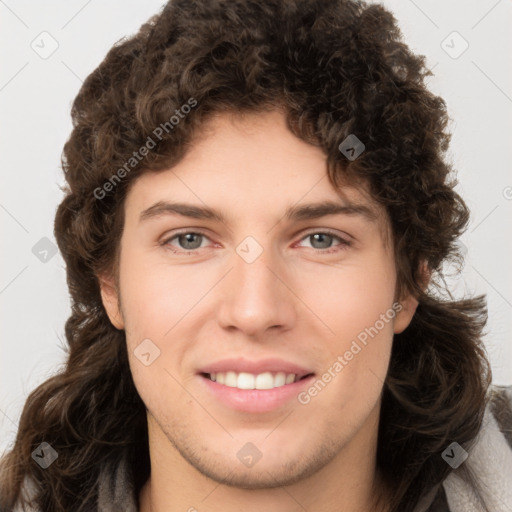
(114, 487)
(489, 461)
(500, 404)
(28, 491)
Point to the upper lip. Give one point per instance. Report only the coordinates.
(239, 365)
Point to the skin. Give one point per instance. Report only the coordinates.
(293, 302)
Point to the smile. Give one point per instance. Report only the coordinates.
(244, 380)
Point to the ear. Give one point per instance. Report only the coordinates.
(410, 302)
(110, 299)
(404, 315)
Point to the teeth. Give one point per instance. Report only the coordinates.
(230, 380)
(242, 380)
(245, 381)
(264, 381)
(280, 379)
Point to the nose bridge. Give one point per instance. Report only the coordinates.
(255, 298)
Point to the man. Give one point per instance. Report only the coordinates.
(257, 212)
(243, 315)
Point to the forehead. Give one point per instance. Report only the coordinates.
(245, 166)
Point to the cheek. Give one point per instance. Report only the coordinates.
(155, 301)
(351, 298)
(159, 303)
(156, 296)
(357, 308)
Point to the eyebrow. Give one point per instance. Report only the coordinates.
(295, 213)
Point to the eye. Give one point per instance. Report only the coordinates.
(188, 241)
(322, 240)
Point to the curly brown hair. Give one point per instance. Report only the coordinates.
(335, 67)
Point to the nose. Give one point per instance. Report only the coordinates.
(257, 296)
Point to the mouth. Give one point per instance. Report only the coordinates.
(246, 386)
(261, 381)
(251, 386)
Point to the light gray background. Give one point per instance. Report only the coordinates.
(35, 100)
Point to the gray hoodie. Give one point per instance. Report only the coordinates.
(490, 459)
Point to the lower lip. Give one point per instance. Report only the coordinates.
(255, 400)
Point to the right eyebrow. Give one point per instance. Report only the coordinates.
(185, 210)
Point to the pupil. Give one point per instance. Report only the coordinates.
(321, 235)
(185, 240)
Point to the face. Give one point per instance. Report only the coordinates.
(259, 331)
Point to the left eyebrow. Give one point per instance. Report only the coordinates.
(295, 213)
(318, 210)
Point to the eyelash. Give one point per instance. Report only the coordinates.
(342, 246)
